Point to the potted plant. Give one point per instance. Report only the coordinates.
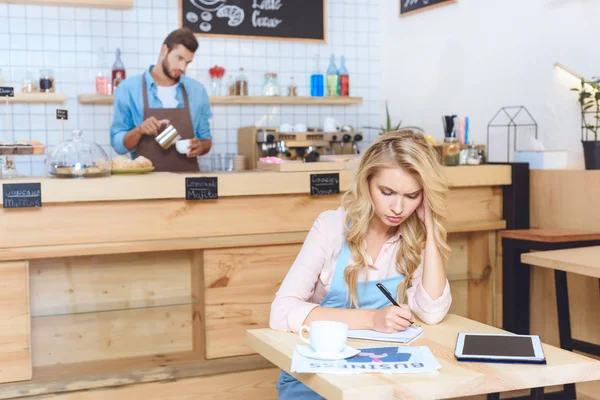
(389, 127)
(589, 105)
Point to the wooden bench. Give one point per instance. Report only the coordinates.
(557, 247)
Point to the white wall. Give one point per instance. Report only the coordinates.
(473, 57)
(65, 39)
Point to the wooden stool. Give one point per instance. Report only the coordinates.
(515, 282)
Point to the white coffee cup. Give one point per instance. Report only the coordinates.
(285, 128)
(331, 125)
(326, 336)
(300, 128)
(183, 146)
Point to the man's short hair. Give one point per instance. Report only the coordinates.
(183, 36)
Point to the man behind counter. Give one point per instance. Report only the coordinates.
(163, 94)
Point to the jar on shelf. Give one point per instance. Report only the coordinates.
(241, 84)
(231, 90)
(29, 84)
(473, 155)
(46, 81)
(292, 88)
(451, 151)
(271, 85)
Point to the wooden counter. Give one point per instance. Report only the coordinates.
(166, 185)
(129, 282)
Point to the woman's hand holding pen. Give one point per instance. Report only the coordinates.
(392, 318)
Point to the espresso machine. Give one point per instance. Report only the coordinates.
(256, 143)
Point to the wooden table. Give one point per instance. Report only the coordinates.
(455, 379)
(582, 261)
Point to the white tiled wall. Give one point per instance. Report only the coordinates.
(65, 40)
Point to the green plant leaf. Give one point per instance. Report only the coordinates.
(574, 89)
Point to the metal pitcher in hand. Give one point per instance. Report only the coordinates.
(167, 137)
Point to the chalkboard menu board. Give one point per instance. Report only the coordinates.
(324, 184)
(205, 188)
(408, 7)
(6, 91)
(21, 195)
(273, 19)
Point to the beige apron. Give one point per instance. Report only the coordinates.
(168, 160)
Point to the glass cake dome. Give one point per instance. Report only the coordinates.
(78, 158)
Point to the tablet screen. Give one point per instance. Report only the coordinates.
(511, 346)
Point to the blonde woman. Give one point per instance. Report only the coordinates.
(388, 230)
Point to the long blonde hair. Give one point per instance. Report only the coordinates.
(411, 152)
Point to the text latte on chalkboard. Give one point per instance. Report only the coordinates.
(287, 19)
(412, 6)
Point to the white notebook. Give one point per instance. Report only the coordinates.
(406, 336)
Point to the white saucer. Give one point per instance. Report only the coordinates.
(308, 351)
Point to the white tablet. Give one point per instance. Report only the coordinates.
(499, 348)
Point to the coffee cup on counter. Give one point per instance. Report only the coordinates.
(331, 125)
(285, 128)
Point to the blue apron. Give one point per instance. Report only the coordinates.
(369, 297)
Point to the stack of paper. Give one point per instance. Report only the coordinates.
(388, 360)
(406, 336)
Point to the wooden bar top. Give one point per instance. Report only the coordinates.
(165, 185)
(550, 235)
(582, 260)
(454, 379)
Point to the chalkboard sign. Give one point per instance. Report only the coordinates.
(204, 188)
(323, 184)
(62, 114)
(6, 91)
(282, 19)
(21, 195)
(408, 7)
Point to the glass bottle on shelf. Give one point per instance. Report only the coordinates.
(271, 85)
(230, 86)
(1, 78)
(292, 89)
(333, 78)
(102, 81)
(344, 78)
(241, 84)
(29, 84)
(316, 80)
(118, 71)
(46, 81)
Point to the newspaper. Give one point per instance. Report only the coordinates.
(389, 360)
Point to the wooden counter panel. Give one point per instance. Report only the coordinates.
(111, 335)
(15, 353)
(109, 282)
(474, 204)
(240, 285)
(160, 219)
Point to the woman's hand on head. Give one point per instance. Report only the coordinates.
(425, 214)
(392, 319)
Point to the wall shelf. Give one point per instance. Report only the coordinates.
(246, 100)
(116, 4)
(36, 98)
(285, 100)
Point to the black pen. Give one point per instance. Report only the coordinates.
(389, 296)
